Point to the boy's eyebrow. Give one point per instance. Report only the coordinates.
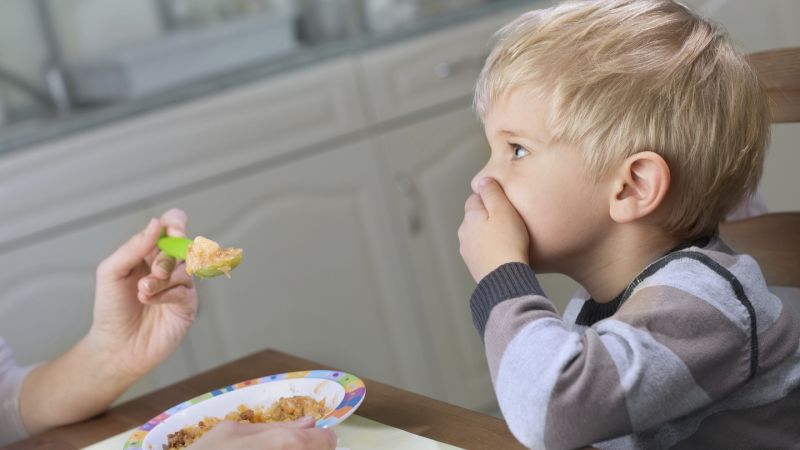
(520, 133)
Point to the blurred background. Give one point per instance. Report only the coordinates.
(332, 139)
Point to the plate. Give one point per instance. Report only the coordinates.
(344, 390)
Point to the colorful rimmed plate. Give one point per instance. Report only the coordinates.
(342, 390)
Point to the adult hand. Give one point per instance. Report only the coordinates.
(144, 305)
(298, 435)
(144, 300)
(492, 232)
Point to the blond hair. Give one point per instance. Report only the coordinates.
(625, 76)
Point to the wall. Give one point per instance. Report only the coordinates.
(757, 26)
(754, 25)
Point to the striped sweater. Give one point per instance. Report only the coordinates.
(695, 353)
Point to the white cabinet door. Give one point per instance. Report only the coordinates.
(48, 294)
(432, 163)
(429, 70)
(126, 163)
(320, 277)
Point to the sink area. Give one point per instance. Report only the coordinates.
(182, 57)
(189, 62)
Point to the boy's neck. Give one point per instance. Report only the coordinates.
(617, 260)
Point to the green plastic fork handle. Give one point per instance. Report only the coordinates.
(174, 246)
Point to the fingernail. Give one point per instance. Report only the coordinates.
(165, 266)
(148, 285)
(306, 420)
(151, 224)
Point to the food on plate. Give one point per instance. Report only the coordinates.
(286, 409)
(205, 258)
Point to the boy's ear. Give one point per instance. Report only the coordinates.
(639, 187)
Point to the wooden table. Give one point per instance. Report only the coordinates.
(392, 406)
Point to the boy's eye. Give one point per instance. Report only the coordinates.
(519, 151)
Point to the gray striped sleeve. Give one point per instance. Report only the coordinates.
(680, 341)
(507, 281)
(543, 372)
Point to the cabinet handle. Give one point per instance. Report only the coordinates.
(406, 186)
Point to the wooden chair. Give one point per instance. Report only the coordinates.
(774, 239)
(779, 70)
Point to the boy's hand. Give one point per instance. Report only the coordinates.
(144, 301)
(492, 233)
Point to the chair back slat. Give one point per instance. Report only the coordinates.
(779, 70)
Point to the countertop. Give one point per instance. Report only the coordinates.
(35, 131)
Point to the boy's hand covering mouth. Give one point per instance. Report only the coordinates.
(492, 232)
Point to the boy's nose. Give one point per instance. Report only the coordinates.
(485, 172)
(474, 182)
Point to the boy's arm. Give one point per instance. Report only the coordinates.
(663, 355)
(676, 344)
(534, 359)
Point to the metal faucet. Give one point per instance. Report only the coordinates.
(54, 71)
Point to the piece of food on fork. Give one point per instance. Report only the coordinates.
(204, 257)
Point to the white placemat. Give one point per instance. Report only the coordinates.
(355, 433)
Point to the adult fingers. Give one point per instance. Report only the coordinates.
(280, 438)
(162, 266)
(151, 287)
(131, 253)
(243, 429)
(230, 427)
(175, 222)
(247, 429)
(177, 294)
(151, 256)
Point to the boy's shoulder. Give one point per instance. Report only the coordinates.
(702, 277)
(698, 281)
(700, 286)
(704, 290)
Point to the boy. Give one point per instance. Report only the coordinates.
(621, 133)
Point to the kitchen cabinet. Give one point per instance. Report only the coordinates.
(346, 199)
(107, 171)
(428, 71)
(431, 164)
(321, 275)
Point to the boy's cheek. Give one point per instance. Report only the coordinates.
(534, 253)
(521, 204)
(531, 254)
